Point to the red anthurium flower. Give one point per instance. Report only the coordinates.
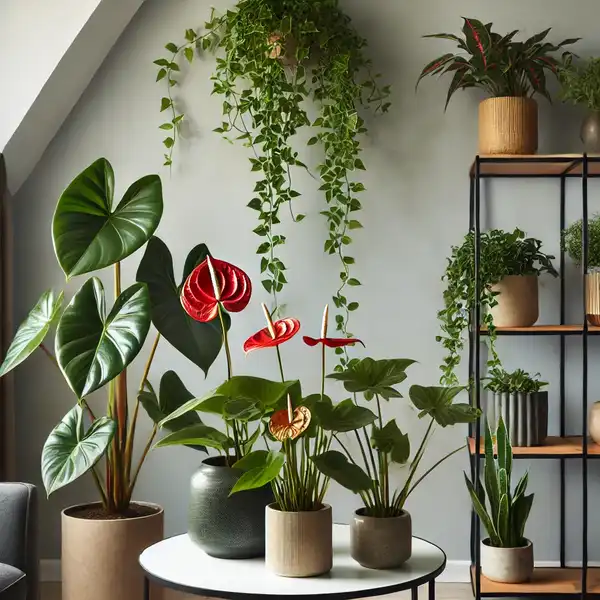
(212, 282)
(274, 334)
(327, 341)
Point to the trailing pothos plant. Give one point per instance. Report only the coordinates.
(502, 254)
(94, 345)
(273, 56)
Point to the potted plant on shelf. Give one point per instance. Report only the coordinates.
(509, 268)
(581, 86)
(381, 531)
(510, 72)
(518, 399)
(506, 555)
(93, 349)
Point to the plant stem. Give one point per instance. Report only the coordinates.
(225, 340)
(280, 363)
(141, 462)
(50, 356)
(323, 371)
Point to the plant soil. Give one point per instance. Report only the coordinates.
(95, 512)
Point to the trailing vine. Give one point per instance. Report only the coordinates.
(272, 57)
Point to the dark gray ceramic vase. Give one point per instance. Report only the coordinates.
(525, 416)
(590, 133)
(226, 526)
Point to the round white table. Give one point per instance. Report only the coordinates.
(179, 564)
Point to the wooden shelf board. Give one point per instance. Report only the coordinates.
(553, 165)
(543, 330)
(554, 445)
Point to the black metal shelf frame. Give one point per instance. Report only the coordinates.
(474, 360)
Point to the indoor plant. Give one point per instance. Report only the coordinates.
(272, 56)
(581, 85)
(518, 399)
(509, 268)
(381, 531)
(92, 351)
(510, 72)
(506, 555)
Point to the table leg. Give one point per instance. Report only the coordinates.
(146, 589)
(414, 593)
(432, 589)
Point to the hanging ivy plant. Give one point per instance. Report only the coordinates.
(272, 57)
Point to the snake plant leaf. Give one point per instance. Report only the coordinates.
(482, 513)
(504, 526)
(520, 514)
(69, 451)
(197, 435)
(33, 330)
(490, 474)
(334, 464)
(92, 348)
(260, 467)
(390, 440)
(199, 342)
(88, 234)
(345, 416)
(503, 447)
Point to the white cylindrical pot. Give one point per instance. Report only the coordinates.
(517, 298)
(507, 565)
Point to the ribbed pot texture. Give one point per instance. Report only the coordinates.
(508, 125)
(380, 543)
(593, 298)
(590, 133)
(299, 544)
(507, 565)
(525, 416)
(518, 301)
(594, 422)
(100, 558)
(226, 526)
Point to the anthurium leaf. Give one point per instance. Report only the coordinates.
(437, 403)
(390, 440)
(260, 468)
(92, 348)
(69, 452)
(33, 330)
(212, 404)
(346, 416)
(335, 465)
(88, 235)
(249, 443)
(173, 395)
(199, 342)
(196, 435)
(241, 409)
(263, 392)
(320, 408)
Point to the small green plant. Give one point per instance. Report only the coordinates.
(572, 242)
(508, 512)
(519, 381)
(501, 254)
(581, 84)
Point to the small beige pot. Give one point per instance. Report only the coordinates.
(299, 544)
(100, 558)
(594, 422)
(507, 565)
(593, 298)
(380, 543)
(508, 125)
(518, 304)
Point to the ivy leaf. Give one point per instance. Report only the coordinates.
(358, 164)
(189, 54)
(169, 142)
(164, 104)
(355, 224)
(171, 47)
(190, 35)
(161, 62)
(166, 126)
(161, 74)
(354, 282)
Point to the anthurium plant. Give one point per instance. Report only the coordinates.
(95, 344)
(498, 64)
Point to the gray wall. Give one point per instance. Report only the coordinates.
(416, 206)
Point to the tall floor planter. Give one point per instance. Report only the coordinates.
(518, 301)
(100, 556)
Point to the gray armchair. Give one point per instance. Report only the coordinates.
(18, 542)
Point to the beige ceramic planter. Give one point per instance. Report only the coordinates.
(592, 300)
(594, 422)
(380, 543)
(100, 557)
(508, 125)
(518, 304)
(299, 544)
(507, 565)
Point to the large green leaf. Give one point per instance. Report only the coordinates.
(390, 440)
(88, 235)
(335, 465)
(199, 342)
(33, 330)
(345, 416)
(197, 435)
(260, 467)
(437, 403)
(69, 452)
(92, 348)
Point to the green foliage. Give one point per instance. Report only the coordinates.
(273, 56)
(260, 468)
(501, 381)
(572, 241)
(334, 464)
(501, 254)
(498, 64)
(438, 403)
(506, 515)
(581, 83)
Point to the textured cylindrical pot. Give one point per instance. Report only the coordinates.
(518, 303)
(99, 557)
(594, 422)
(507, 565)
(508, 125)
(592, 300)
(525, 416)
(380, 543)
(590, 133)
(299, 544)
(226, 526)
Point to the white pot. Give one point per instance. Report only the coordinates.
(507, 565)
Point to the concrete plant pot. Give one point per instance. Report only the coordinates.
(518, 303)
(507, 565)
(380, 543)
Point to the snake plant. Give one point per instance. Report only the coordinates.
(507, 515)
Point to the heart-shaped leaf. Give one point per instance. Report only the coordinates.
(199, 342)
(197, 435)
(260, 468)
(390, 440)
(335, 465)
(345, 416)
(88, 235)
(92, 348)
(69, 452)
(437, 403)
(33, 330)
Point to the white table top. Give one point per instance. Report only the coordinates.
(179, 564)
